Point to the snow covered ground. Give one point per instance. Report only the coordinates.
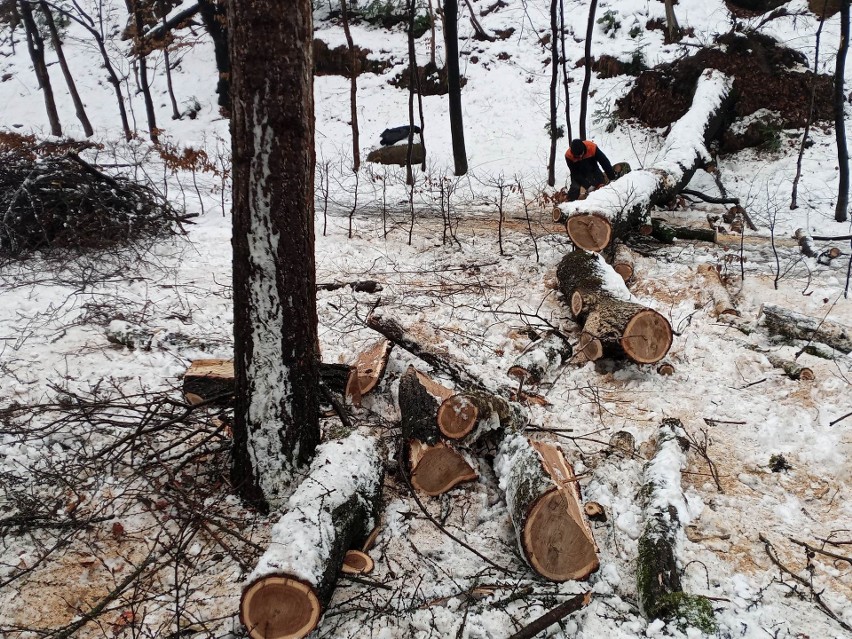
(466, 298)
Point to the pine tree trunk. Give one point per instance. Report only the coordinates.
(36, 47)
(276, 427)
(79, 109)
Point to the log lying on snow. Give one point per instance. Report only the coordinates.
(434, 465)
(542, 356)
(613, 326)
(543, 499)
(792, 325)
(470, 415)
(626, 203)
(658, 582)
(664, 232)
(711, 283)
(209, 378)
(371, 364)
(332, 509)
(624, 263)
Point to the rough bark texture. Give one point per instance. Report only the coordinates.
(792, 325)
(333, 510)
(543, 499)
(666, 233)
(451, 35)
(213, 14)
(791, 368)
(36, 48)
(542, 356)
(141, 57)
(471, 415)
(583, 278)
(354, 72)
(419, 398)
(276, 427)
(711, 285)
(624, 263)
(841, 208)
(657, 573)
(626, 203)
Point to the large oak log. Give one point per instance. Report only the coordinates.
(470, 415)
(625, 204)
(613, 326)
(434, 466)
(543, 499)
(333, 509)
(209, 378)
(624, 263)
(790, 324)
(541, 357)
(658, 582)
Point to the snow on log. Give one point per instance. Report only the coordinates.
(333, 509)
(712, 285)
(658, 582)
(470, 415)
(613, 326)
(806, 243)
(543, 499)
(435, 466)
(542, 356)
(626, 203)
(792, 325)
(209, 378)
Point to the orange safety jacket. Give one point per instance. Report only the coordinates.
(591, 149)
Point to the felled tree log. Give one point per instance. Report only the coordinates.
(209, 378)
(371, 364)
(542, 356)
(712, 284)
(666, 233)
(543, 499)
(791, 368)
(470, 415)
(333, 509)
(623, 263)
(806, 243)
(658, 582)
(792, 325)
(434, 466)
(625, 204)
(612, 325)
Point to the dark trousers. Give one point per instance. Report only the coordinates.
(596, 179)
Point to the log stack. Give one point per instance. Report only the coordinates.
(543, 498)
(333, 509)
(613, 326)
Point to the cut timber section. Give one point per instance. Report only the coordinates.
(624, 263)
(435, 466)
(613, 326)
(712, 285)
(542, 356)
(625, 204)
(210, 378)
(333, 509)
(792, 325)
(371, 365)
(543, 499)
(470, 415)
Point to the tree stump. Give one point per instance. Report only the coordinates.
(332, 509)
(543, 499)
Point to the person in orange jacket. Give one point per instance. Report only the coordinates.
(583, 158)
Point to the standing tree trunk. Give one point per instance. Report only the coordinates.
(63, 64)
(565, 70)
(587, 77)
(840, 211)
(167, 62)
(142, 59)
(354, 70)
(554, 78)
(672, 27)
(276, 424)
(213, 14)
(451, 41)
(36, 47)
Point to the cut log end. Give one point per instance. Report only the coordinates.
(555, 545)
(590, 347)
(666, 369)
(356, 562)
(457, 417)
(589, 232)
(279, 607)
(625, 270)
(576, 303)
(437, 469)
(371, 365)
(647, 337)
(519, 373)
(806, 374)
(594, 511)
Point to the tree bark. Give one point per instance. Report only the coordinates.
(176, 115)
(276, 425)
(213, 14)
(719, 296)
(79, 109)
(793, 325)
(142, 59)
(613, 326)
(587, 75)
(332, 510)
(554, 76)
(624, 263)
(841, 209)
(451, 42)
(542, 356)
(625, 204)
(658, 582)
(354, 71)
(36, 48)
(672, 27)
(565, 71)
(470, 415)
(543, 499)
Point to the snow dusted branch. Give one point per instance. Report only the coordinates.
(626, 203)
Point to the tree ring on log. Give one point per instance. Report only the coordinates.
(647, 337)
(437, 469)
(625, 270)
(576, 303)
(547, 542)
(279, 607)
(590, 346)
(356, 562)
(589, 231)
(457, 416)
